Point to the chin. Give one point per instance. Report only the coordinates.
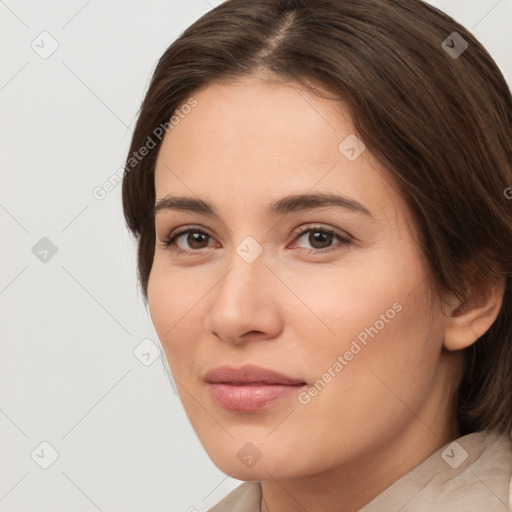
(245, 463)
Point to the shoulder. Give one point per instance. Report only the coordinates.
(488, 474)
(244, 498)
(478, 471)
(471, 474)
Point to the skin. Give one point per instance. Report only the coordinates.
(249, 142)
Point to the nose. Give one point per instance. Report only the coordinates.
(245, 303)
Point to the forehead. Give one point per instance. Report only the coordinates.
(254, 139)
(257, 118)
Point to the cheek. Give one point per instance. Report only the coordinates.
(373, 345)
(173, 301)
(359, 298)
(383, 359)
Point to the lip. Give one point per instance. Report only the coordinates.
(249, 374)
(249, 388)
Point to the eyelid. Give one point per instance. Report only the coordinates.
(312, 227)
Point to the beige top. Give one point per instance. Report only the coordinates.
(471, 474)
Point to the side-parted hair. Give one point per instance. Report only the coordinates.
(436, 114)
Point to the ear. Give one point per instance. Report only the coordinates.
(466, 323)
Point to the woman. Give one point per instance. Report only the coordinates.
(324, 242)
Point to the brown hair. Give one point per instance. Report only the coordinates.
(440, 124)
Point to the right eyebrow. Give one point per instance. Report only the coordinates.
(185, 204)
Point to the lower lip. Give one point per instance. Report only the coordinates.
(250, 397)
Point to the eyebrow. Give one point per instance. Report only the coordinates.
(285, 205)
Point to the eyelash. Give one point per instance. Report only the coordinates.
(344, 239)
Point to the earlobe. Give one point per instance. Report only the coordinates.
(466, 323)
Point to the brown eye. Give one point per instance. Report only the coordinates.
(194, 239)
(321, 239)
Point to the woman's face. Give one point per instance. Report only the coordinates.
(262, 281)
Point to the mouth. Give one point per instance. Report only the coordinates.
(250, 388)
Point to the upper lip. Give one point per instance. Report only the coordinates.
(248, 374)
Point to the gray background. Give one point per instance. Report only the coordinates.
(72, 320)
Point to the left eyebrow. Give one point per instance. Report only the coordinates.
(300, 202)
(285, 205)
